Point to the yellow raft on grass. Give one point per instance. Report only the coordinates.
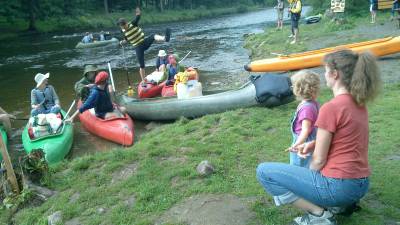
(296, 61)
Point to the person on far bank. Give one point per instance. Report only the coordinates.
(306, 85)
(99, 99)
(373, 8)
(395, 7)
(82, 87)
(161, 61)
(280, 7)
(295, 13)
(5, 121)
(44, 98)
(134, 35)
(339, 171)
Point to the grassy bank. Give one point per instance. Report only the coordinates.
(164, 160)
(101, 20)
(312, 36)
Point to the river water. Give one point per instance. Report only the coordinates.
(215, 45)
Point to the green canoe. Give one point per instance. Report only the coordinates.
(55, 147)
(96, 43)
(4, 137)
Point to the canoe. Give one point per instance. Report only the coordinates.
(171, 108)
(3, 135)
(313, 19)
(96, 43)
(168, 91)
(150, 90)
(118, 130)
(55, 147)
(378, 47)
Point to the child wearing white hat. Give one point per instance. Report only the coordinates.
(44, 98)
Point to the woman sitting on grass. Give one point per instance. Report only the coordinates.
(339, 170)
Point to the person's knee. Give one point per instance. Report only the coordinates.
(35, 112)
(262, 170)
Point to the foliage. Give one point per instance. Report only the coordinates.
(35, 167)
(352, 7)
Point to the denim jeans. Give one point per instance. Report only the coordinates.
(287, 183)
(41, 110)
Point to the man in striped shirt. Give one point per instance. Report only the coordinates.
(134, 35)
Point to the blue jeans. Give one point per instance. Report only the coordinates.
(41, 110)
(287, 183)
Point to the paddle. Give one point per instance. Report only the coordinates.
(66, 115)
(111, 76)
(130, 90)
(184, 57)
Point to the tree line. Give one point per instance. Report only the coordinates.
(33, 10)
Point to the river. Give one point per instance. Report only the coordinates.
(215, 45)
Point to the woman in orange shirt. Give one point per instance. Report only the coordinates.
(339, 170)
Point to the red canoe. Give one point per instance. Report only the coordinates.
(118, 130)
(168, 91)
(150, 90)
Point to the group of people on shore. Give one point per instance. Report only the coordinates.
(328, 170)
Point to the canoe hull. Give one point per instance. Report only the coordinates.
(55, 147)
(96, 44)
(379, 47)
(150, 90)
(171, 108)
(118, 130)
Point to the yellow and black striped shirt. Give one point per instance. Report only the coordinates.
(134, 34)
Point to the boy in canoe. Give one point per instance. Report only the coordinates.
(99, 99)
(134, 35)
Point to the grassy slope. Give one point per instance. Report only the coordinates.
(235, 142)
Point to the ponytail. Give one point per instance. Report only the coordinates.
(366, 81)
(359, 73)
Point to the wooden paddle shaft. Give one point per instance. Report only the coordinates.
(10, 171)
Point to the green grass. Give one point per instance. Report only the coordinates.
(235, 142)
(263, 45)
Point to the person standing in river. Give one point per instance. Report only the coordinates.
(279, 9)
(134, 35)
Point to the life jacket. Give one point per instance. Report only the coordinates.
(133, 35)
(293, 7)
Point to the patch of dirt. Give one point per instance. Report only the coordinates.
(395, 157)
(210, 209)
(173, 159)
(185, 149)
(125, 173)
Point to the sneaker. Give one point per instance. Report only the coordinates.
(290, 36)
(326, 218)
(167, 34)
(345, 211)
(293, 42)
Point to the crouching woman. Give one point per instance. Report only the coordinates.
(339, 170)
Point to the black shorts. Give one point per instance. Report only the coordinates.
(295, 17)
(148, 41)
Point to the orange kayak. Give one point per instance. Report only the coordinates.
(118, 130)
(378, 47)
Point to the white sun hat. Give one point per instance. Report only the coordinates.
(39, 78)
(162, 53)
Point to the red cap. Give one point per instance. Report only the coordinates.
(101, 77)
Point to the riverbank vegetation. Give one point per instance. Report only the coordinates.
(159, 171)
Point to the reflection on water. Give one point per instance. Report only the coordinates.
(216, 46)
